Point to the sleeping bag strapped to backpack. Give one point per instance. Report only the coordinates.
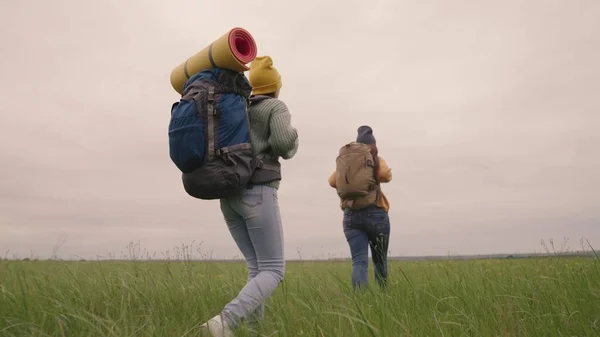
(209, 138)
(356, 182)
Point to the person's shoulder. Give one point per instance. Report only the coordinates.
(272, 104)
(277, 104)
(275, 107)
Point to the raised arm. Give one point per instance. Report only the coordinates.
(284, 138)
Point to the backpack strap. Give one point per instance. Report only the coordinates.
(267, 164)
(267, 170)
(227, 149)
(211, 127)
(210, 56)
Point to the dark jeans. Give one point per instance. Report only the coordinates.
(364, 228)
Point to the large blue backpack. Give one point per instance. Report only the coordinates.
(209, 138)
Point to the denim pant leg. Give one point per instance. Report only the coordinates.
(377, 225)
(259, 209)
(359, 249)
(237, 227)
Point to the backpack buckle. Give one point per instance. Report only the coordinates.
(211, 94)
(211, 101)
(222, 151)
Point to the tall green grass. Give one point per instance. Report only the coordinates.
(511, 297)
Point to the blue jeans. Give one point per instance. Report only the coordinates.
(254, 222)
(363, 228)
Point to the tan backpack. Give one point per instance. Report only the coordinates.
(355, 183)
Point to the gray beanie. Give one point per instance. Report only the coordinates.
(365, 135)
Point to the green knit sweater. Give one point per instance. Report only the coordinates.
(271, 131)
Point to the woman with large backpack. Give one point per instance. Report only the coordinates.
(357, 179)
(252, 215)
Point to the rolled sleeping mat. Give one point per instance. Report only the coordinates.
(232, 51)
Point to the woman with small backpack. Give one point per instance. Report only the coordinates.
(253, 216)
(357, 179)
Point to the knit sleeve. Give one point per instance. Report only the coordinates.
(284, 138)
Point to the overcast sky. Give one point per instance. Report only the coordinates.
(488, 113)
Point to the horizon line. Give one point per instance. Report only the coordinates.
(332, 259)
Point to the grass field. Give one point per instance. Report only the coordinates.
(509, 297)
